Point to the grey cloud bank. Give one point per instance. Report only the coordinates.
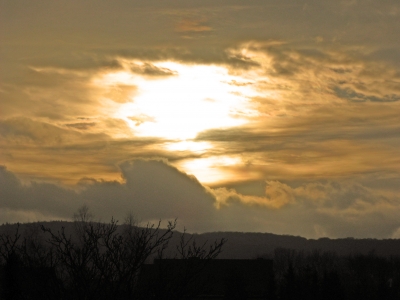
(154, 190)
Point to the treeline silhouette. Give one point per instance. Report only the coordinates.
(252, 244)
(326, 275)
(92, 260)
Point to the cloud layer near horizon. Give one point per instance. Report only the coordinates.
(153, 189)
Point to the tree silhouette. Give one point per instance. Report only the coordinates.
(103, 261)
(91, 260)
(182, 277)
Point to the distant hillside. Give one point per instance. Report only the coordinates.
(251, 245)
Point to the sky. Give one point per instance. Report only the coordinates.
(257, 115)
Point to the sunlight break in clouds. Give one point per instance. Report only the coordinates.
(181, 100)
(212, 169)
(287, 113)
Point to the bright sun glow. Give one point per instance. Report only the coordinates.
(177, 101)
(187, 100)
(188, 146)
(211, 169)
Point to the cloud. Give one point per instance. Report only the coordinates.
(25, 130)
(358, 97)
(324, 144)
(329, 197)
(148, 69)
(153, 189)
(191, 25)
(324, 102)
(302, 127)
(35, 197)
(119, 93)
(53, 94)
(276, 196)
(140, 119)
(330, 208)
(322, 70)
(321, 113)
(81, 125)
(64, 153)
(396, 234)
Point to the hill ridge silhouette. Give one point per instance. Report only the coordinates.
(249, 245)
